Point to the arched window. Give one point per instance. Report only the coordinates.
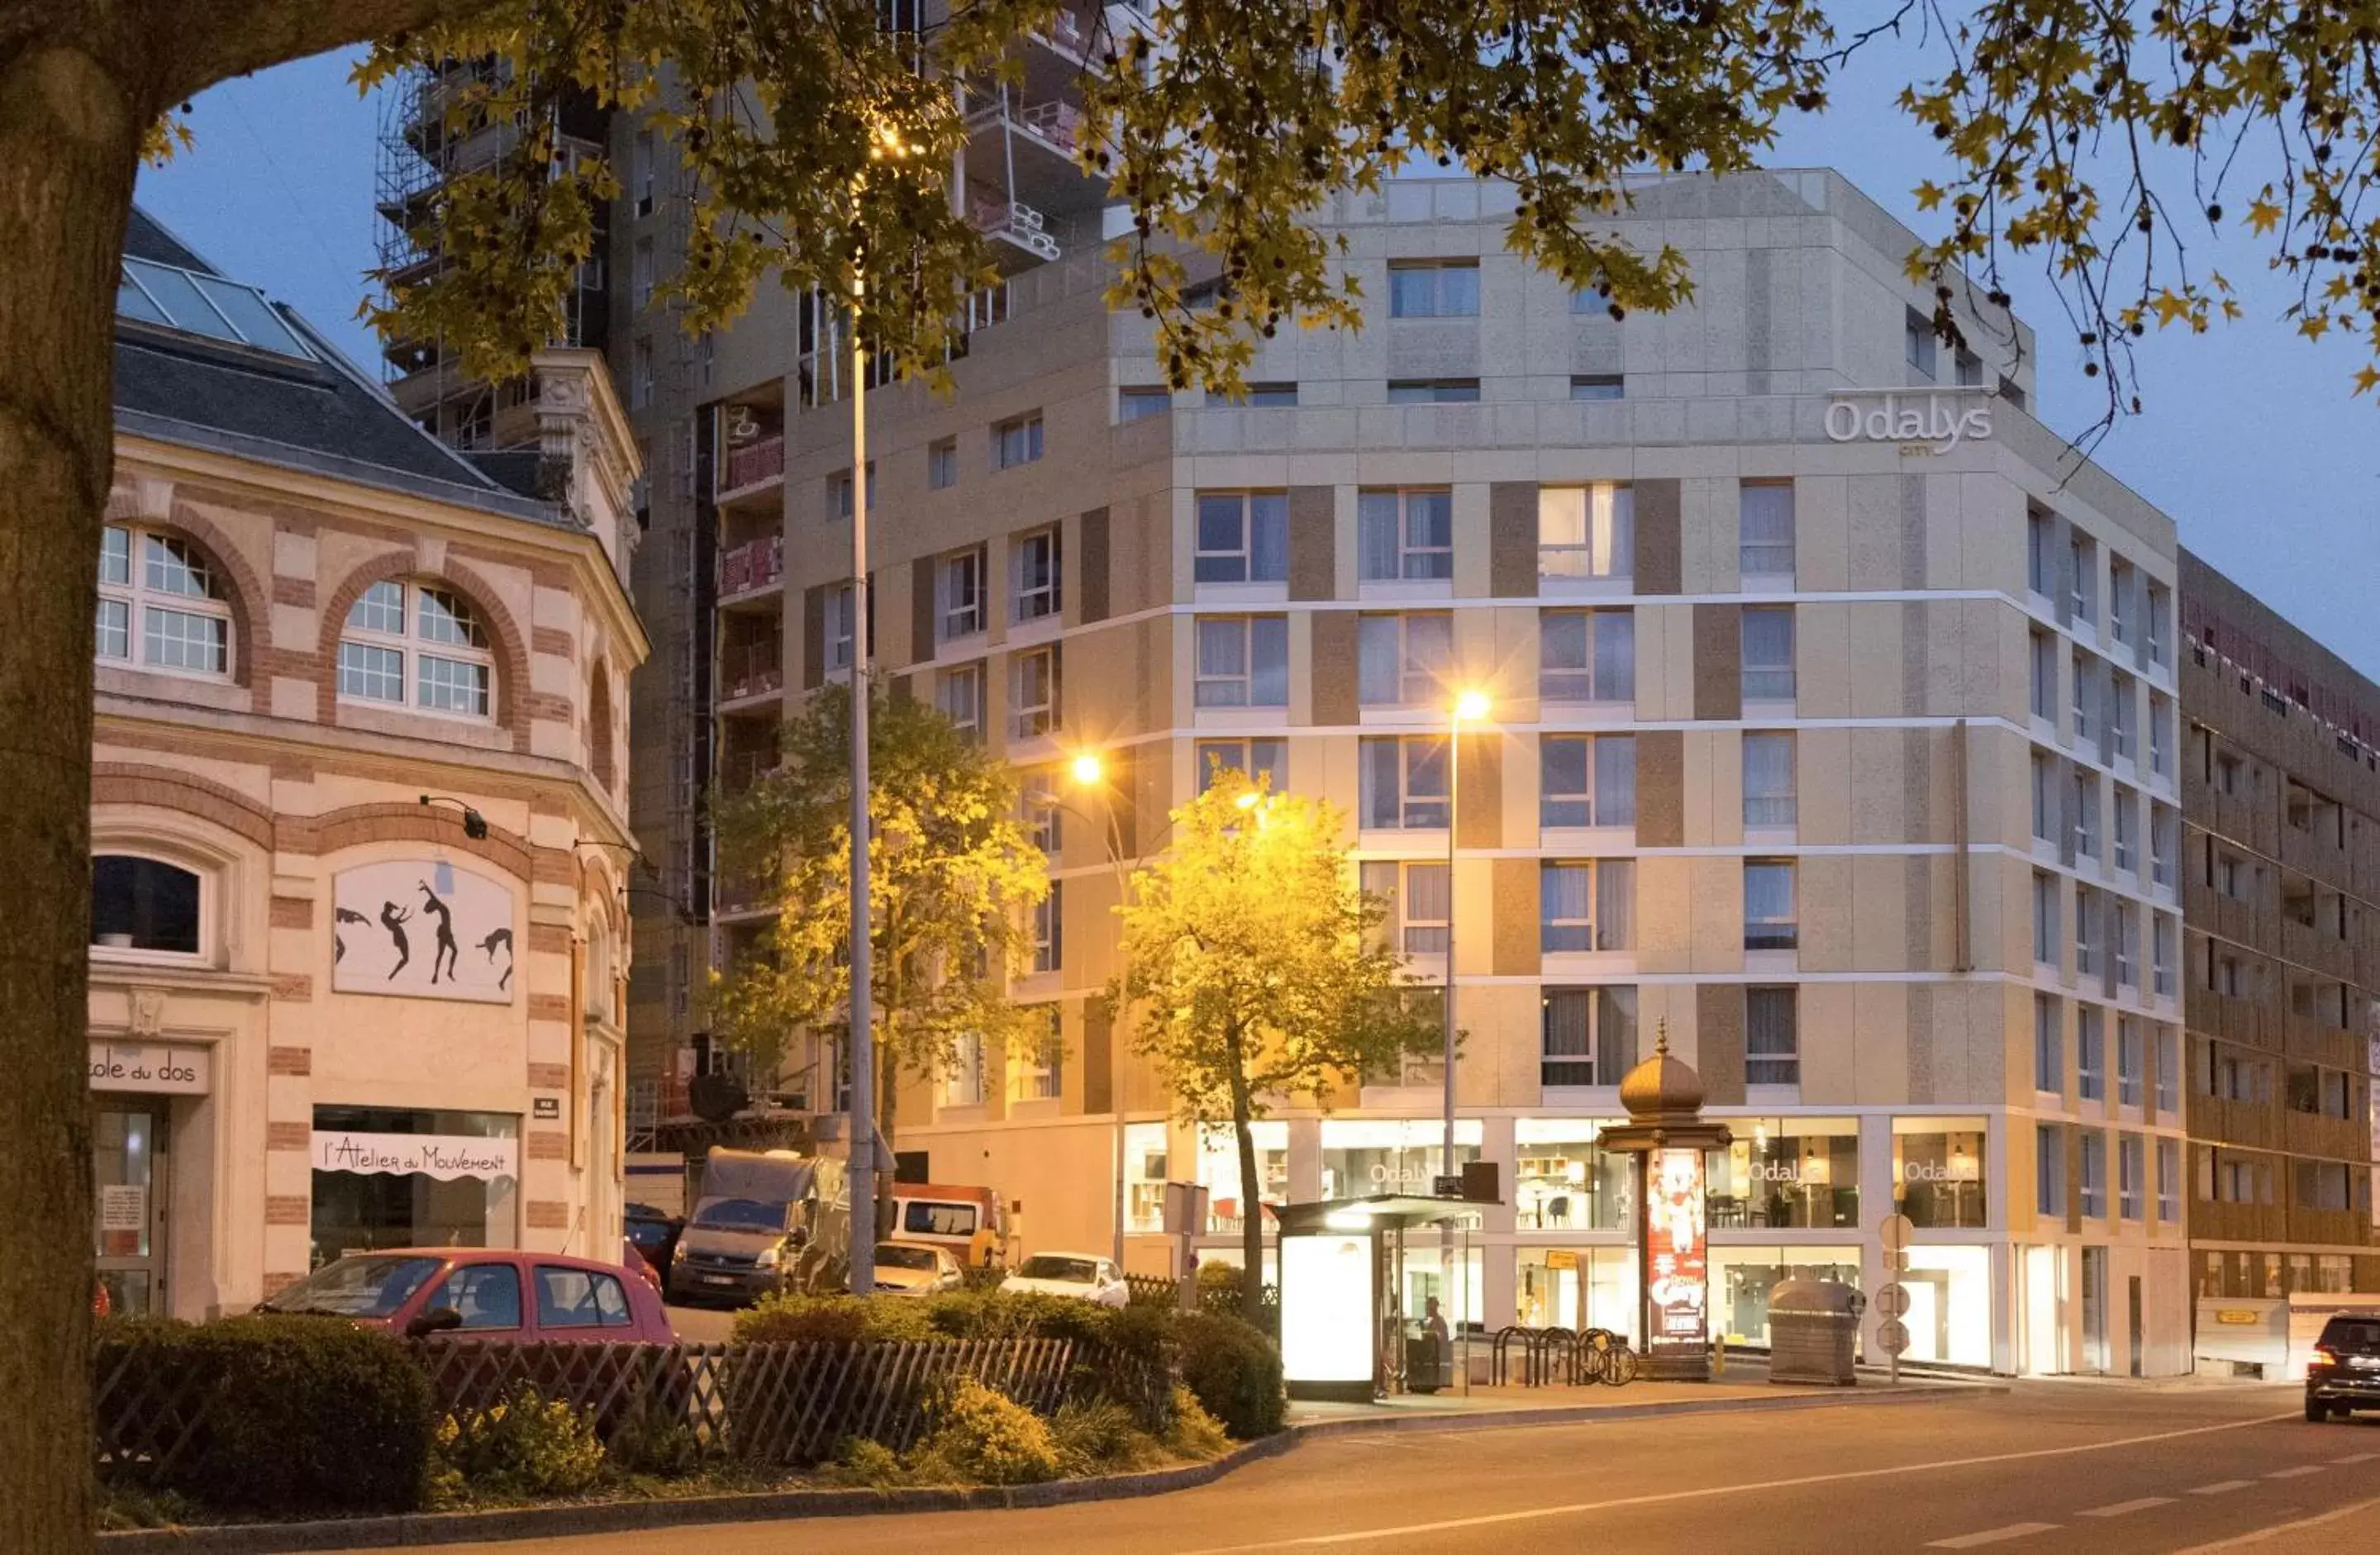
(143, 905)
(599, 728)
(416, 645)
(161, 606)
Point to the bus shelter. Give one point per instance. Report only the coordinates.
(1359, 1277)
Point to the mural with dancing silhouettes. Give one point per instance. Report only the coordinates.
(401, 927)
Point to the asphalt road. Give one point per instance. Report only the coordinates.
(702, 1325)
(2050, 1467)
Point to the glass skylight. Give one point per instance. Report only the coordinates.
(208, 305)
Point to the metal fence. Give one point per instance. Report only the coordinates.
(784, 1403)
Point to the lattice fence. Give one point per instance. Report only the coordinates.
(787, 1403)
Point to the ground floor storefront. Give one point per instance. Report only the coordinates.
(1794, 1195)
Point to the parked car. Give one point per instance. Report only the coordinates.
(967, 1221)
(2344, 1374)
(655, 1232)
(483, 1293)
(1083, 1275)
(906, 1269)
(765, 1222)
(632, 1259)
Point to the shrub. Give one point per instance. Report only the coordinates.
(301, 1414)
(526, 1446)
(984, 1436)
(652, 1441)
(866, 1462)
(1195, 1433)
(834, 1319)
(1235, 1372)
(1099, 1436)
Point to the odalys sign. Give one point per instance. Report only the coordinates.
(1943, 420)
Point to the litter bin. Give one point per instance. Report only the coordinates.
(1813, 1332)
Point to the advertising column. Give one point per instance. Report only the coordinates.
(1677, 1283)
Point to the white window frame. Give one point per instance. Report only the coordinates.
(1556, 683)
(1255, 758)
(1600, 808)
(2048, 1045)
(958, 693)
(2122, 691)
(413, 646)
(1758, 556)
(142, 599)
(1048, 930)
(1039, 599)
(941, 464)
(1411, 750)
(1034, 718)
(1586, 531)
(1424, 561)
(1775, 1067)
(208, 882)
(836, 644)
(2169, 1184)
(1409, 933)
(1437, 304)
(1766, 681)
(1419, 682)
(2085, 792)
(962, 595)
(2090, 1053)
(1609, 883)
(1256, 509)
(1789, 927)
(1254, 682)
(1770, 809)
(1016, 442)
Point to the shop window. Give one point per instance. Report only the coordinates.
(1219, 1172)
(161, 604)
(1586, 531)
(1586, 780)
(1742, 1279)
(1937, 1170)
(389, 1177)
(143, 905)
(1787, 1171)
(1404, 536)
(1577, 1289)
(1949, 1316)
(1364, 1156)
(1563, 1180)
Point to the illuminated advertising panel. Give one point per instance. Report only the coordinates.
(1326, 1309)
(1678, 1278)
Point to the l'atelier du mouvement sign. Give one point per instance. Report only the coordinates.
(1939, 420)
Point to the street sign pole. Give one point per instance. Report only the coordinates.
(1893, 1301)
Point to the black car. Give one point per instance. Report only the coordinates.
(654, 1234)
(2345, 1372)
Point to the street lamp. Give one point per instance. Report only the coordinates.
(884, 143)
(1471, 706)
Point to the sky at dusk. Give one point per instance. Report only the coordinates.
(2247, 435)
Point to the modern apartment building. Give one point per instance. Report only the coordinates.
(2281, 808)
(1832, 726)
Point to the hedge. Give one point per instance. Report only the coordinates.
(1235, 1372)
(303, 1414)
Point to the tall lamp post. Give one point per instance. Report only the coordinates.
(1471, 707)
(884, 144)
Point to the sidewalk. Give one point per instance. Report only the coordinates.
(1746, 1386)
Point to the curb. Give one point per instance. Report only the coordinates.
(412, 1530)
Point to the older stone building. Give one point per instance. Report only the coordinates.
(1832, 723)
(358, 811)
(2281, 798)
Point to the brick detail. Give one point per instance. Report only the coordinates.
(136, 782)
(292, 769)
(546, 705)
(395, 821)
(549, 1006)
(548, 1076)
(293, 988)
(548, 1214)
(289, 1137)
(287, 1209)
(553, 639)
(293, 912)
(290, 1061)
(298, 592)
(544, 1144)
(554, 867)
(550, 936)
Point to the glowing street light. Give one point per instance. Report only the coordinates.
(1087, 770)
(1471, 706)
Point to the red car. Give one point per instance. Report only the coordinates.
(483, 1293)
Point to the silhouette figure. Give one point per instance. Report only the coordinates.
(338, 943)
(502, 937)
(393, 918)
(446, 950)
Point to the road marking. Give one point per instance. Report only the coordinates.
(1703, 1492)
(2218, 1488)
(2357, 1458)
(1991, 1536)
(2121, 1508)
(2261, 1535)
(2294, 1473)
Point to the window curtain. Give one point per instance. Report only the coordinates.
(1615, 899)
(1616, 1032)
(1614, 519)
(1376, 536)
(1268, 656)
(1268, 537)
(1379, 674)
(1615, 780)
(1615, 656)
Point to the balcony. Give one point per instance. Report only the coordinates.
(751, 669)
(1020, 229)
(750, 467)
(752, 566)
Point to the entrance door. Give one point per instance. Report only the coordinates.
(128, 1187)
(2133, 1287)
(2094, 1309)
